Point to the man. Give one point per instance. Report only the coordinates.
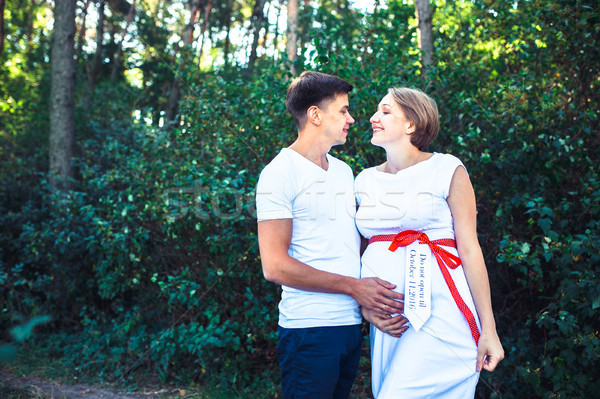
(309, 244)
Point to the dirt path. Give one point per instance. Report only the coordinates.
(39, 387)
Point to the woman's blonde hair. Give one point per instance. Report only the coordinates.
(421, 110)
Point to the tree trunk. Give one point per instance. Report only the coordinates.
(172, 106)
(30, 18)
(425, 32)
(2, 4)
(305, 26)
(265, 19)
(276, 35)
(188, 35)
(189, 29)
(110, 50)
(207, 12)
(292, 36)
(117, 59)
(62, 90)
(228, 30)
(95, 67)
(226, 47)
(81, 35)
(256, 21)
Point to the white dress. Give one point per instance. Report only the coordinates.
(439, 360)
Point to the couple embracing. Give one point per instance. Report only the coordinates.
(397, 246)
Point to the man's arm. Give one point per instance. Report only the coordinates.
(274, 238)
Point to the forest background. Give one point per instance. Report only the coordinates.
(132, 134)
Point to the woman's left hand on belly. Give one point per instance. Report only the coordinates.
(393, 325)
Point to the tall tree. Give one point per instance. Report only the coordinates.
(94, 69)
(188, 39)
(2, 4)
(292, 35)
(266, 30)
(81, 35)
(30, 19)
(305, 26)
(256, 22)
(207, 11)
(228, 16)
(425, 31)
(62, 90)
(276, 33)
(117, 58)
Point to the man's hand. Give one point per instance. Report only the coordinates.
(376, 295)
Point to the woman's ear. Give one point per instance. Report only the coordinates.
(411, 128)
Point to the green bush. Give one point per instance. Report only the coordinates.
(151, 262)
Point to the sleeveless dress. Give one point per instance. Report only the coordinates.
(439, 360)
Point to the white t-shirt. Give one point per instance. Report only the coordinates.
(322, 207)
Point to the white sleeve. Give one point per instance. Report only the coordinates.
(449, 166)
(273, 196)
(357, 190)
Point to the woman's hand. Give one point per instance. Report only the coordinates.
(391, 325)
(461, 201)
(489, 351)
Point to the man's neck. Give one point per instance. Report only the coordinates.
(313, 150)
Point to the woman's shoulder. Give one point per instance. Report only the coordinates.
(446, 157)
(363, 177)
(446, 166)
(447, 161)
(366, 172)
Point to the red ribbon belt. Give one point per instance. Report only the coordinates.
(444, 259)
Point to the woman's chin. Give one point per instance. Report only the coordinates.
(376, 142)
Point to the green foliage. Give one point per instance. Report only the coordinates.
(19, 334)
(9, 392)
(151, 262)
(117, 246)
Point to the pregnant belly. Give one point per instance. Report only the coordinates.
(378, 261)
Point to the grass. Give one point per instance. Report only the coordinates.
(36, 361)
(7, 392)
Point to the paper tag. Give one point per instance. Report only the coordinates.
(417, 284)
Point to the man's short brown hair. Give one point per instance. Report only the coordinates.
(313, 88)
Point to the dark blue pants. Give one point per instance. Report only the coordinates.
(318, 362)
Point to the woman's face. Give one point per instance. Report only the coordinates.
(389, 123)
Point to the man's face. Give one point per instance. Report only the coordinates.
(336, 119)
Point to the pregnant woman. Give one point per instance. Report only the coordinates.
(418, 212)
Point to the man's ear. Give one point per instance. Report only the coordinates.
(313, 115)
